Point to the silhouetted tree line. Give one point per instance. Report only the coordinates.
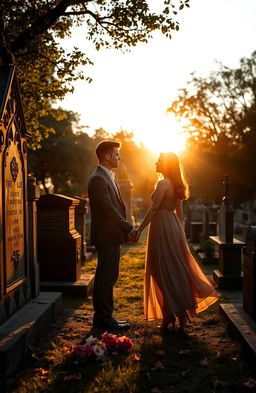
(68, 157)
(220, 110)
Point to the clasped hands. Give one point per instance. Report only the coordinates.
(134, 235)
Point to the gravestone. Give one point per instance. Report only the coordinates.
(249, 281)
(14, 265)
(59, 246)
(24, 316)
(33, 196)
(228, 275)
(81, 213)
(207, 253)
(59, 243)
(242, 316)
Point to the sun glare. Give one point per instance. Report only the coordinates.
(165, 136)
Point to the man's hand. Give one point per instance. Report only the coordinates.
(134, 235)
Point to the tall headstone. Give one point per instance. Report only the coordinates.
(228, 274)
(14, 264)
(22, 320)
(81, 212)
(226, 214)
(33, 196)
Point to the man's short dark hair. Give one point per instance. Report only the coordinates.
(105, 147)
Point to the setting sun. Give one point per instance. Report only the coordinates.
(165, 136)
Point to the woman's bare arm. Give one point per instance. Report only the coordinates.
(179, 210)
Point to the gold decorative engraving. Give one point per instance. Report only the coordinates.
(14, 167)
(15, 258)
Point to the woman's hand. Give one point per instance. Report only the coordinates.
(135, 235)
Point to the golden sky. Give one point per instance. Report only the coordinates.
(133, 90)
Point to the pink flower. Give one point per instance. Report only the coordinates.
(250, 383)
(125, 344)
(109, 339)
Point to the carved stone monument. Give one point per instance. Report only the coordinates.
(59, 246)
(59, 243)
(81, 212)
(33, 196)
(207, 249)
(24, 314)
(242, 315)
(228, 274)
(14, 265)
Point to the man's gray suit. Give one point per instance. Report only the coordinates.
(109, 229)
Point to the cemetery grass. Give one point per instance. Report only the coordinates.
(205, 359)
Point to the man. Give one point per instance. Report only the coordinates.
(109, 229)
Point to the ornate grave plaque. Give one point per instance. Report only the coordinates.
(14, 208)
(13, 252)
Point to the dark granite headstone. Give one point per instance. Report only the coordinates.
(226, 214)
(81, 212)
(59, 243)
(228, 274)
(33, 196)
(249, 287)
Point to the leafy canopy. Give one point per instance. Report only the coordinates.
(35, 28)
(220, 110)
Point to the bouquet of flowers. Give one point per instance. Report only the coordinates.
(100, 349)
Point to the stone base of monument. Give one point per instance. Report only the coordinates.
(228, 275)
(81, 288)
(227, 281)
(24, 328)
(205, 260)
(243, 325)
(195, 247)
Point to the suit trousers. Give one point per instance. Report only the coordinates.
(105, 278)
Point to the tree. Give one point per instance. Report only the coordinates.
(46, 71)
(65, 156)
(221, 114)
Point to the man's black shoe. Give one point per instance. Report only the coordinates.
(118, 321)
(113, 324)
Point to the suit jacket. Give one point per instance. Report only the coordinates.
(108, 222)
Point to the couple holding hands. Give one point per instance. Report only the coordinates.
(174, 285)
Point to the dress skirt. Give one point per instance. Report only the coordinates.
(174, 282)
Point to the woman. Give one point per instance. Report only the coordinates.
(174, 283)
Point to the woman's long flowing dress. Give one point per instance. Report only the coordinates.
(174, 282)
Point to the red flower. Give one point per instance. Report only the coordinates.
(82, 351)
(125, 344)
(109, 339)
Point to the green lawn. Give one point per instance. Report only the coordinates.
(204, 360)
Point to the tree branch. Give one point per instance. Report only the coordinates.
(42, 24)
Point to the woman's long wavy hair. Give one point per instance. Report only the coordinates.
(173, 170)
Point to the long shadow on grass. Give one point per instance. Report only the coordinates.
(47, 363)
(180, 363)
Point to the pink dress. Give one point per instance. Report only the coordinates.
(174, 282)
